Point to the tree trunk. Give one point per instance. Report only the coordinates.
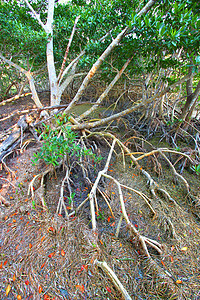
(191, 100)
(54, 89)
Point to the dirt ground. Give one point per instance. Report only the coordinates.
(44, 255)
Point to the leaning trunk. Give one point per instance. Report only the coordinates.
(190, 103)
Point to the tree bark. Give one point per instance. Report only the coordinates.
(191, 100)
(29, 77)
(104, 55)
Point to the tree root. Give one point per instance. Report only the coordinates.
(31, 187)
(104, 266)
(165, 282)
(61, 203)
(133, 231)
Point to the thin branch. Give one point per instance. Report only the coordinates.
(71, 64)
(67, 50)
(95, 67)
(37, 16)
(105, 93)
(29, 77)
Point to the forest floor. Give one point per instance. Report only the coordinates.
(44, 255)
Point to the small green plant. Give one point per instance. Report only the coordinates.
(71, 198)
(196, 169)
(60, 144)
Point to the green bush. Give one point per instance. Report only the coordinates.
(60, 144)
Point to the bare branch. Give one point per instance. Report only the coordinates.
(29, 77)
(72, 64)
(147, 7)
(37, 16)
(105, 93)
(67, 50)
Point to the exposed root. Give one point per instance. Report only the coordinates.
(4, 201)
(104, 266)
(164, 281)
(61, 203)
(168, 227)
(146, 199)
(31, 187)
(174, 171)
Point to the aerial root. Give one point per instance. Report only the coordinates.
(31, 187)
(92, 193)
(165, 281)
(4, 201)
(61, 204)
(134, 232)
(104, 266)
(143, 196)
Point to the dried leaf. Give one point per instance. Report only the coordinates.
(81, 288)
(30, 246)
(84, 267)
(108, 289)
(40, 289)
(42, 266)
(8, 289)
(5, 262)
(162, 262)
(51, 229)
(62, 252)
(51, 254)
(179, 281)
(14, 277)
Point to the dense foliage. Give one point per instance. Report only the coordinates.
(154, 40)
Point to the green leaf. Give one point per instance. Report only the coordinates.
(197, 59)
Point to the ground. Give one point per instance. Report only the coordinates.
(45, 255)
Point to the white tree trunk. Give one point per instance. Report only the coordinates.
(55, 99)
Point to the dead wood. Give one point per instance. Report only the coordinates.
(16, 137)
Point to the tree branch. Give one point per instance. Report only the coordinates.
(67, 50)
(105, 93)
(29, 77)
(37, 16)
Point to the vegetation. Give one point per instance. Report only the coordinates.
(139, 61)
